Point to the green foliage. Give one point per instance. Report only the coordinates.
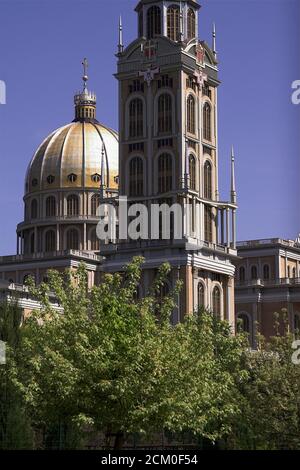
(116, 363)
(110, 362)
(15, 431)
(271, 396)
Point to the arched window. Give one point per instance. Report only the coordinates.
(207, 121)
(72, 205)
(192, 166)
(254, 272)
(95, 242)
(243, 323)
(201, 294)
(136, 124)
(266, 271)
(164, 114)
(207, 180)
(242, 273)
(34, 209)
(191, 24)
(50, 206)
(191, 127)
(217, 302)
(32, 243)
(208, 223)
(72, 239)
(153, 22)
(95, 203)
(50, 241)
(173, 23)
(165, 179)
(136, 176)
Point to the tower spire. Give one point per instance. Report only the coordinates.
(233, 187)
(120, 44)
(214, 41)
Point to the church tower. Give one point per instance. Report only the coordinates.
(168, 153)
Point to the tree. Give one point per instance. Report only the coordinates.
(15, 431)
(113, 362)
(270, 396)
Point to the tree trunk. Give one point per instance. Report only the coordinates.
(119, 441)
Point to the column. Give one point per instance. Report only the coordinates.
(18, 244)
(234, 229)
(194, 218)
(227, 228)
(217, 226)
(84, 237)
(222, 226)
(57, 238)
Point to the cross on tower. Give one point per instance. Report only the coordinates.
(149, 49)
(85, 70)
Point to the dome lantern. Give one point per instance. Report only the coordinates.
(85, 101)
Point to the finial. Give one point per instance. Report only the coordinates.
(214, 47)
(85, 71)
(233, 188)
(187, 164)
(120, 45)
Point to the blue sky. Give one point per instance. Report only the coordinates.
(42, 44)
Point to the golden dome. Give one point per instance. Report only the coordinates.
(71, 157)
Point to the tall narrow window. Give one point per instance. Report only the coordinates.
(95, 203)
(165, 173)
(217, 302)
(153, 22)
(50, 241)
(95, 242)
(34, 209)
(208, 224)
(32, 243)
(201, 300)
(207, 121)
(136, 124)
(191, 24)
(254, 272)
(165, 114)
(242, 274)
(207, 180)
(192, 165)
(72, 206)
(297, 325)
(136, 177)
(141, 23)
(173, 22)
(191, 115)
(72, 239)
(50, 206)
(266, 272)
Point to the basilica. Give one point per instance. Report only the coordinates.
(166, 152)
